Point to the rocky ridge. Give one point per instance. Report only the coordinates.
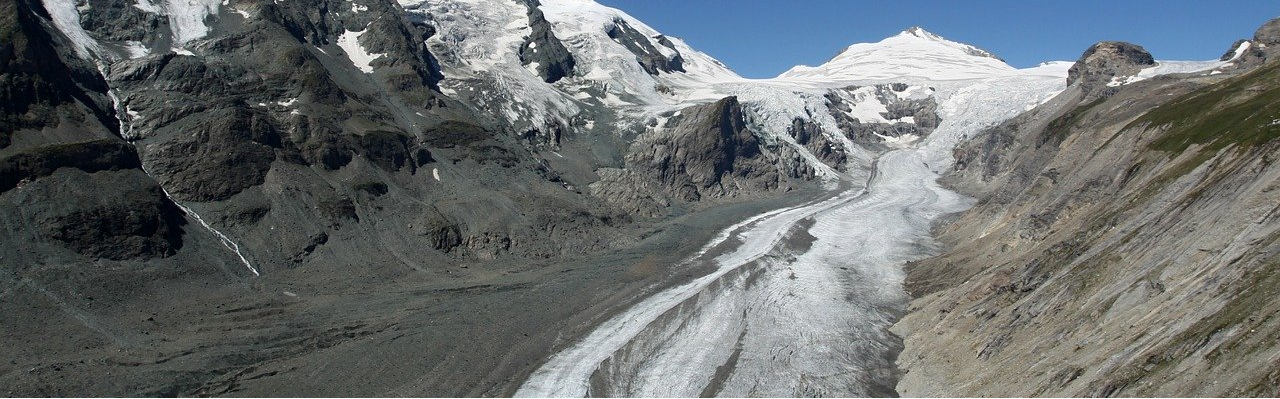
(1122, 245)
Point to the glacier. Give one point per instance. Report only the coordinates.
(777, 318)
(798, 300)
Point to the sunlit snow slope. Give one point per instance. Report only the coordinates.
(912, 54)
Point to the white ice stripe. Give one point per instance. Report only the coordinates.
(125, 128)
(1244, 47)
(226, 241)
(67, 19)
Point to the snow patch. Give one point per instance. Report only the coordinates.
(903, 141)
(67, 19)
(147, 6)
(349, 41)
(1168, 68)
(1244, 47)
(135, 49)
(186, 17)
(865, 106)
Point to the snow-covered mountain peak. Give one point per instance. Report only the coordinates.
(588, 27)
(920, 33)
(913, 54)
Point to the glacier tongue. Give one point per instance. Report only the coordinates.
(801, 306)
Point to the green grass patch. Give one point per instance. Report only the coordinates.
(1244, 110)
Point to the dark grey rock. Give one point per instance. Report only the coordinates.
(810, 135)
(867, 133)
(66, 179)
(41, 80)
(1264, 46)
(649, 57)
(217, 159)
(544, 48)
(113, 215)
(121, 20)
(92, 156)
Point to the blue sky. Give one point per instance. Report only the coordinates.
(762, 38)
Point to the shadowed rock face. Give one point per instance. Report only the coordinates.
(809, 134)
(121, 21)
(1105, 61)
(650, 58)
(64, 175)
(111, 215)
(543, 47)
(37, 87)
(700, 154)
(1231, 52)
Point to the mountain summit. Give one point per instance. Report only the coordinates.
(913, 53)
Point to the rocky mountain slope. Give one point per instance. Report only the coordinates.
(426, 198)
(219, 197)
(1124, 244)
(283, 131)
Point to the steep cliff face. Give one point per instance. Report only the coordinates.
(67, 183)
(705, 152)
(235, 112)
(1104, 66)
(542, 50)
(1126, 243)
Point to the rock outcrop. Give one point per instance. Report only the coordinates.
(706, 152)
(1105, 65)
(904, 116)
(1264, 46)
(543, 49)
(651, 58)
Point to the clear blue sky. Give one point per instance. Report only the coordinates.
(762, 38)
